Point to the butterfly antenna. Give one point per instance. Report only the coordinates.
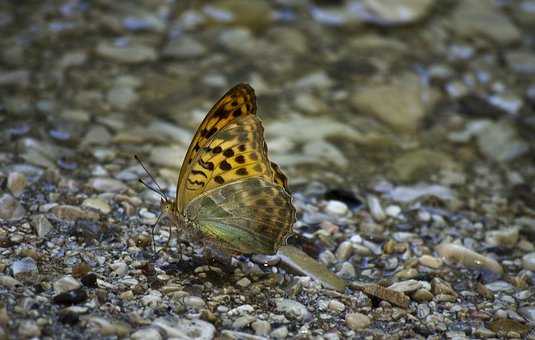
(158, 189)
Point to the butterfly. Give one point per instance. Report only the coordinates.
(229, 194)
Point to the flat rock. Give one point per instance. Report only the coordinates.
(398, 103)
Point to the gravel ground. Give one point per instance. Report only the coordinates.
(406, 132)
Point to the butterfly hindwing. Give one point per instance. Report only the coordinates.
(247, 216)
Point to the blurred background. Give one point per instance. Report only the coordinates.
(351, 92)
(401, 125)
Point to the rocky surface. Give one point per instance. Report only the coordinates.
(406, 132)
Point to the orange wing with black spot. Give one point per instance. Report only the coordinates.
(229, 146)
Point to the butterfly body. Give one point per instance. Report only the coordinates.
(229, 195)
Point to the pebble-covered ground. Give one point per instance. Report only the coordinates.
(406, 129)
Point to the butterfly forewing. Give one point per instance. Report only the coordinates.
(238, 101)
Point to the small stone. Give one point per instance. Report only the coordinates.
(406, 286)
(344, 250)
(129, 54)
(393, 210)
(29, 329)
(16, 183)
(184, 328)
(244, 282)
(507, 238)
(97, 135)
(10, 208)
(243, 321)
(398, 104)
(73, 213)
(65, 284)
(107, 328)
(310, 104)
(499, 141)
(107, 185)
(194, 302)
(336, 208)
(456, 253)
(347, 271)
(97, 204)
(279, 333)
(375, 208)
(42, 225)
(184, 47)
(500, 286)
(120, 268)
(293, 309)
(146, 333)
(481, 18)
(261, 327)
(407, 273)
(121, 97)
(153, 299)
(430, 261)
(528, 261)
(25, 269)
(357, 321)
(71, 297)
(9, 282)
(388, 13)
(336, 306)
(422, 295)
(528, 312)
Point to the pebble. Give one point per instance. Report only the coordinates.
(184, 328)
(336, 208)
(243, 321)
(9, 282)
(456, 253)
(29, 329)
(42, 225)
(500, 286)
(406, 286)
(279, 333)
(375, 208)
(292, 309)
(398, 104)
(97, 135)
(97, 204)
(422, 295)
(499, 141)
(194, 302)
(528, 261)
(146, 333)
(71, 297)
(336, 306)
(184, 47)
(344, 250)
(25, 269)
(507, 238)
(430, 261)
(528, 312)
(16, 183)
(73, 213)
(129, 54)
(357, 321)
(65, 284)
(119, 268)
(243, 283)
(347, 271)
(387, 13)
(108, 328)
(393, 210)
(261, 327)
(107, 185)
(10, 208)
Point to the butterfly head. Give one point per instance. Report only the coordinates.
(167, 206)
